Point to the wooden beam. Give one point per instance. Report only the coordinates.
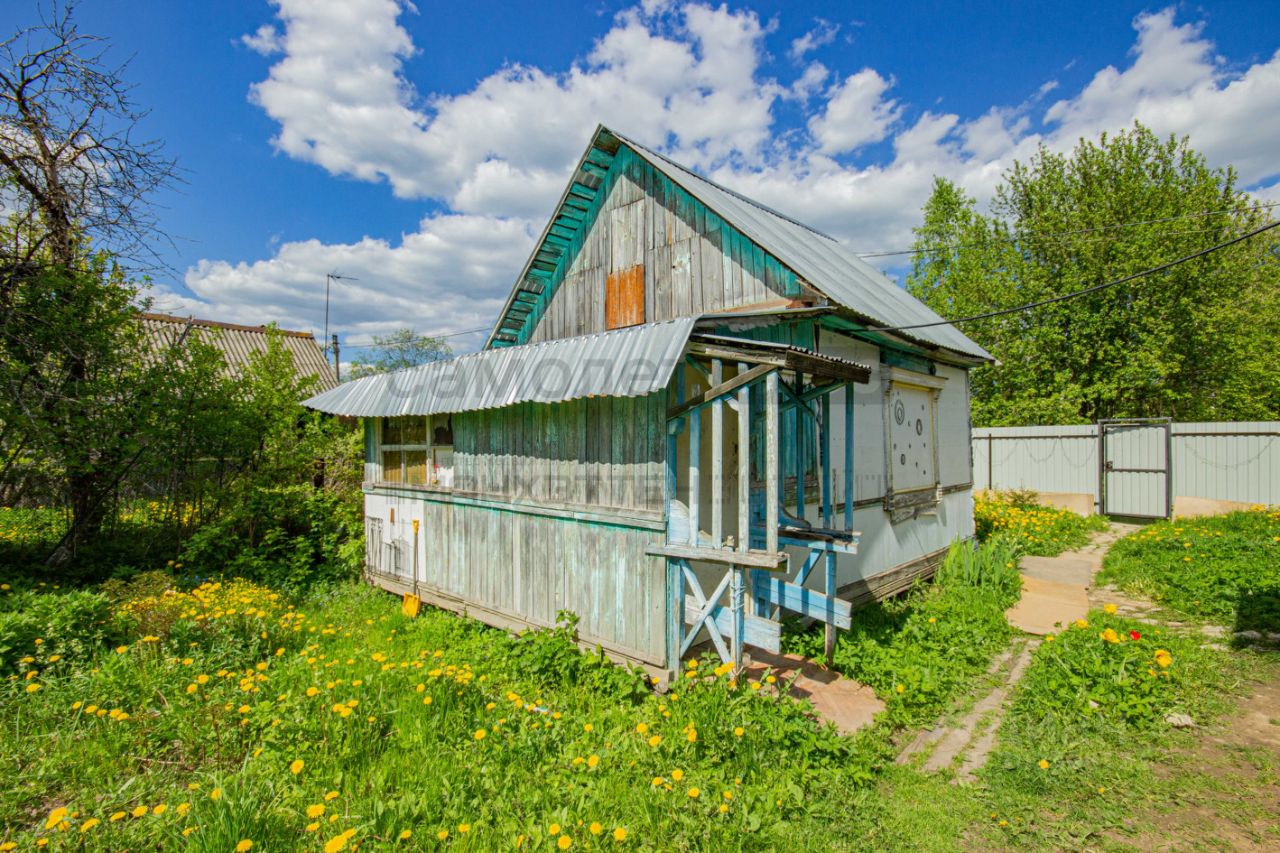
(717, 457)
(695, 475)
(850, 487)
(771, 461)
(744, 465)
(721, 390)
(769, 560)
(762, 633)
(826, 608)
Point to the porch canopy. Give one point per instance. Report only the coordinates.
(630, 362)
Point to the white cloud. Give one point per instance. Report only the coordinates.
(822, 34)
(856, 114)
(451, 274)
(689, 79)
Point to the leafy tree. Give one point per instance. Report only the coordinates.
(1193, 343)
(398, 350)
(73, 173)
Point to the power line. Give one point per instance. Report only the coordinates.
(1059, 234)
(1075, 293)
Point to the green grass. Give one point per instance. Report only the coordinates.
(561, 742)
(1224, 569)
(920, 651)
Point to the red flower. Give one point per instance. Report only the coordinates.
(1134, 635)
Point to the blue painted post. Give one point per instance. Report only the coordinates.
(695, 474)
(824, 455)
(850, 491)
(675, 579)
(798, 448)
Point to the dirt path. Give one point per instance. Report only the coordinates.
(1227, 786)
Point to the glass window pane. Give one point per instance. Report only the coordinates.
(414, 431)
(391, 466)
(415, 467)
(391, 430)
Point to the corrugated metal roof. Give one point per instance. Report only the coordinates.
(237, 343)
(627, 362)
(822, 261)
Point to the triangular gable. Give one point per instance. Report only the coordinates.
(800, 253)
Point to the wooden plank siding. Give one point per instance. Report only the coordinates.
(603, 452)
(690, 260)
(514, 568)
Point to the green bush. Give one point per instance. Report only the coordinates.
(286, 537)
(69, 625)
(1040, 530)
(1225, 569)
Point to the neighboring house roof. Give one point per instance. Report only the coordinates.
(237, 343)
(628, 362)
(822, 262)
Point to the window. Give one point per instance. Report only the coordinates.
(624, 298)
(911, 441)
(417, 451)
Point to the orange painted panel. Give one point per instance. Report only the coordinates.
(624, 298)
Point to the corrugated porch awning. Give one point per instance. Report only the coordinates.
(630, 362)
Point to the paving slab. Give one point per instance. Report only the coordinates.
(847, 703)
(1047, 606)
(1071, 569)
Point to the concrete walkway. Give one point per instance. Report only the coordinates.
(1055, 590)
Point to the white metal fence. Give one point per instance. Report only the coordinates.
(1134, 467)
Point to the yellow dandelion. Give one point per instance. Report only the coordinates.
(1043, 764)
(619, 834)
(564, 842)
(315, 811)
(694, 793)
(295, 767)
(244, 846)
(595, 828)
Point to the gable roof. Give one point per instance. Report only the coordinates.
(824, 263)
(237, 343)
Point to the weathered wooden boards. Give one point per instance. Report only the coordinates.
(691, 261)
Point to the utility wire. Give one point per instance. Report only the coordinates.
(1059, 234)
(1075, 293)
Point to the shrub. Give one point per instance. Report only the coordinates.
(285, 537)
(70, 625)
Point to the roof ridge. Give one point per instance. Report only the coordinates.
(739, 196)
(219, 324)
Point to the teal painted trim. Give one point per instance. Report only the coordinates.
(907, 361)
(370, 441)
(652, 522)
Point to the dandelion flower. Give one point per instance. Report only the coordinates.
(116, 816)
(332, 795)
(593, 760)
(595, 827)
(641, 728)
(215, 794)
(1110, 609)
(655, 740)
(564, 842)
(1043, 764)
(296, 766)
(244, 846)
(139, 811)
(619, 834)
(442, 834)
(464, 828)
(160, 809)
(739, 731)
(89, 824)
(694, 793)
(315, 811)
(55, 817)
(405, 834)
(554, 829)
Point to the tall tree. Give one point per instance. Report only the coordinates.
(398, 350)
(76, 180)
(1191, 343)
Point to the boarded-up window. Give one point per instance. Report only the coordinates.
(624, 298)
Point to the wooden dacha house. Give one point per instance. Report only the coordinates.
(693, 416)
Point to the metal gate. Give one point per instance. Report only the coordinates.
(1133, 474)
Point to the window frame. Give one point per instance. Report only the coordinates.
(403, 449)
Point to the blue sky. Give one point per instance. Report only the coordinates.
(418, 149)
